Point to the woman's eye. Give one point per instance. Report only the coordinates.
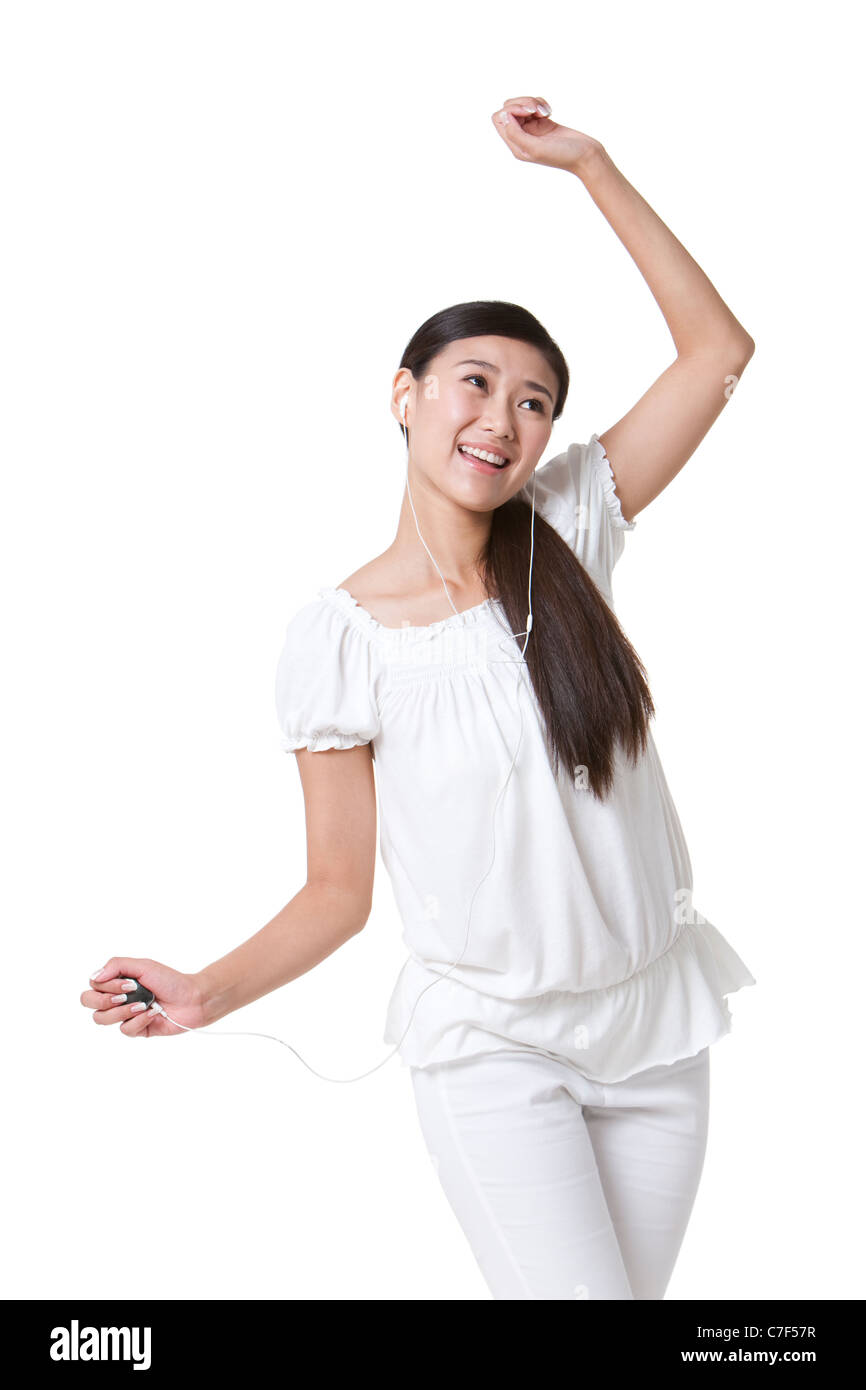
(538, 405)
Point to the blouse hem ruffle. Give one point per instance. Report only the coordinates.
(671, 1009)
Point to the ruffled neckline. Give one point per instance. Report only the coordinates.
(350, 605)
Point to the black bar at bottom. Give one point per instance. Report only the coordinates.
(197, 1337)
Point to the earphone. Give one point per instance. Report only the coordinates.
(147, 996)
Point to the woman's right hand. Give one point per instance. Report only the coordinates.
(182, 996)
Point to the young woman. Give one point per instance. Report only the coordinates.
(561, 992)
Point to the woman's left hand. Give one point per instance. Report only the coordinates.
(525, 125)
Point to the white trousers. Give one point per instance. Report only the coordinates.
(565, 1187)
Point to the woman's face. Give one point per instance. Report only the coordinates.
(494, 393)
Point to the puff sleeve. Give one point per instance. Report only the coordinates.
(575, 493)
(325, 682)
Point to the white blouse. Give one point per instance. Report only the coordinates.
(583, 940)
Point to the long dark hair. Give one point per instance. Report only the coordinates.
(589, 681)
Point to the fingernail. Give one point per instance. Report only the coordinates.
(544, 108)
(128, 984)
(137, 1008)
(118, 998)
(98, 974)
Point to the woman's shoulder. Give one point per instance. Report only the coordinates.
(371, 595)
(373, 587)
(328, 636)
(361, 605)
(327, 675)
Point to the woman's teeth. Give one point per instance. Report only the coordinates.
(485, 457)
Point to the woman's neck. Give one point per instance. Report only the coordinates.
(456, 538)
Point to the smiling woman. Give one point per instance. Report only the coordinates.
(561, 991)
(508, 409)
(585, 923)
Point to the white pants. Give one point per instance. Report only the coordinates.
(565, 1187)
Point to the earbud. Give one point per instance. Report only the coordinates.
(403, 407)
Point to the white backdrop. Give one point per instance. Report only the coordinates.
(223, 222)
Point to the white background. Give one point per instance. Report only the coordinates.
(222, 224)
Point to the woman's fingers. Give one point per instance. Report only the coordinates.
(103, 992)
(115, 998)
(111, 994)
(134, 1019)
(530, 106)
(520, 121)
(118, 1013)
(109, 986)
(115, 968)
(141, 1023)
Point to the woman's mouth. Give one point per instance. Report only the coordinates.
(479, 464)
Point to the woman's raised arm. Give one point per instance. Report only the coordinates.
(649, 445)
